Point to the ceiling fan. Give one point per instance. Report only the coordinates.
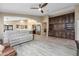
(40, 7)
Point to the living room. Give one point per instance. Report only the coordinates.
(39, 28)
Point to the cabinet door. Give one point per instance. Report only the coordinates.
(62, 26)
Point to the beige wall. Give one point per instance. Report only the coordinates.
(77, 22)
(43, 20)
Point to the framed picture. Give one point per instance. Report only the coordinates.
(21, 26)
(8, 27)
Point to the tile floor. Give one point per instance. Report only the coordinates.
(47, 46)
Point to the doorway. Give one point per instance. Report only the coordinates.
(44, 26)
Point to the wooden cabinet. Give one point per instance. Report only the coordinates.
(62, 26)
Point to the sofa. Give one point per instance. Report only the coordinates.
(16, 37)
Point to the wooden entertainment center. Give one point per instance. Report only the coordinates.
(62, 26)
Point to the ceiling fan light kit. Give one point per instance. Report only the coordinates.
(39, 9)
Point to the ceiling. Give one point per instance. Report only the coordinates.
(24, 8)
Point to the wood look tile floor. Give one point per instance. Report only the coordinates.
(47, 46)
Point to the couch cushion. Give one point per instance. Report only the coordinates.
(8, 51)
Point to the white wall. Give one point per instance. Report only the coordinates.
(29, 23)
(36, 18)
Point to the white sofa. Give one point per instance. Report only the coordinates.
(17, 36)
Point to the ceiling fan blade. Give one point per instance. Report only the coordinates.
(44, 5)
(39, 5)
(42, 11)
(34, 8)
